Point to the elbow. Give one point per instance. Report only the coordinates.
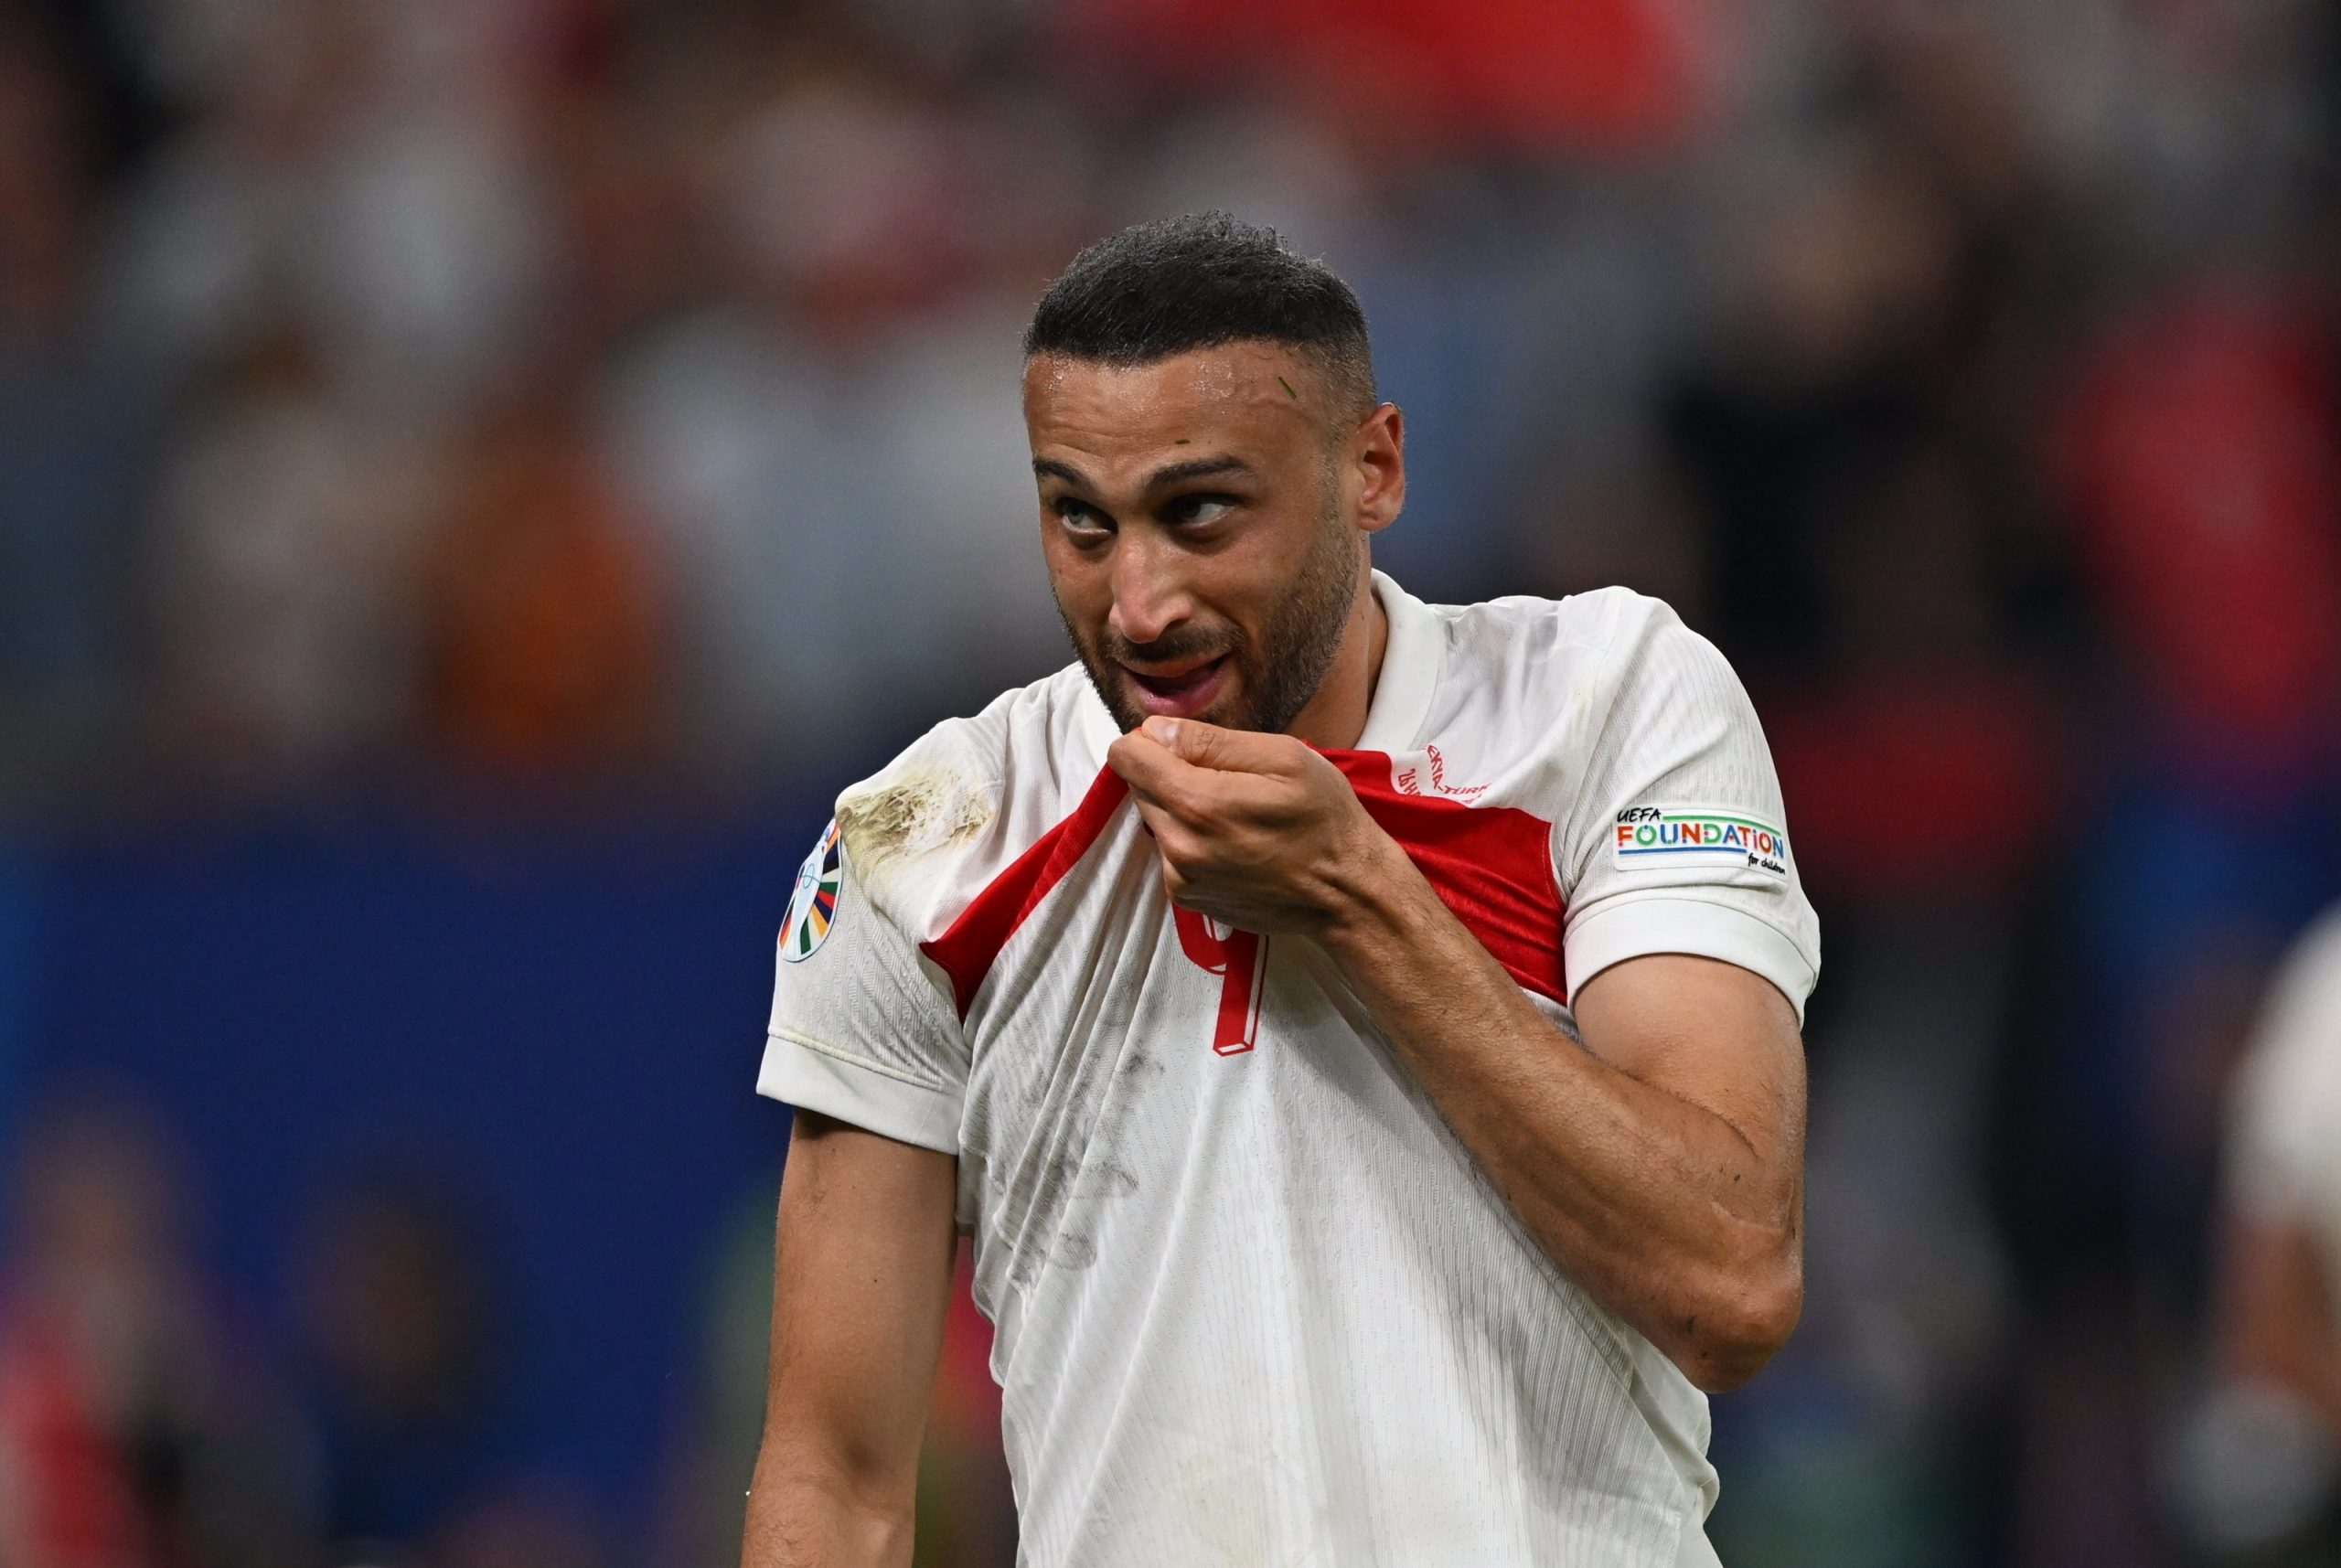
(1738, 1326)
(830, 1496)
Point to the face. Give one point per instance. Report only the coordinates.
(1203, 519)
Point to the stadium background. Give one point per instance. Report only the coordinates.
(476, 474)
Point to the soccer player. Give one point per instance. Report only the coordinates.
(1361, 1035)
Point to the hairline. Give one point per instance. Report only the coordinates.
(1348, 371)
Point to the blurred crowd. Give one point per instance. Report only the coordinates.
(615, 400)
(142, 1426)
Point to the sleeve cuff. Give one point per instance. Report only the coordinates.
(1635, 927)
(814, 1077)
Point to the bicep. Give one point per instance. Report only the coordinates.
(862, 1278)
(1710, 1033)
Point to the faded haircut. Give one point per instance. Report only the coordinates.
(1203, 280)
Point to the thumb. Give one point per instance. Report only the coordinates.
(1203, 745)
(1190, 740)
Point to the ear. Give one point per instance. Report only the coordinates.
(1378, 456)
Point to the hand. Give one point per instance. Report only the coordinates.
(1256, 831)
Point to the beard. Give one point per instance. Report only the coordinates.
(1277, 674)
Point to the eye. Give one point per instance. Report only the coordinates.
(1081, 518)
(1193, 510)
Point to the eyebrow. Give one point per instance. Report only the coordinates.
(1168, 475)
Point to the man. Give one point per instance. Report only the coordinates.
(1361, 1037)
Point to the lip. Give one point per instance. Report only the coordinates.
(1180, 694)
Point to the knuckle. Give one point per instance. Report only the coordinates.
(1192, 801)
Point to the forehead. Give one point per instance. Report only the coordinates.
(1251, 396)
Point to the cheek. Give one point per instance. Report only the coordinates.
(1081, 581)
(1259, 571)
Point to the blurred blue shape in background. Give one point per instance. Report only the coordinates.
(563, 1028)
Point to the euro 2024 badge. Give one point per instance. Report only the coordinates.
(813, 908)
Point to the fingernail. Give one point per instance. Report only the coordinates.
(1167, 731)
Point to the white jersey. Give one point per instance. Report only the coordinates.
(1255, 1303)
(2284, 1148)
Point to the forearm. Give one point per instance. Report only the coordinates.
(2278, 1322)
(1661, 1209)
(806, 1511)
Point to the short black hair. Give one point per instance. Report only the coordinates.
(1199, 281)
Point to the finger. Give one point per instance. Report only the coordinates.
(1154, 818)
(1224, 751)
(1153, 771)
(1178, 889)
(1174, 849)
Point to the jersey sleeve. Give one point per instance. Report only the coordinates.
(2285, 1116)
(860, 1030)
(1676, 840)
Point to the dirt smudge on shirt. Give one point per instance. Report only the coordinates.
(913, 814)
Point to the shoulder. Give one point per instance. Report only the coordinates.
(1578, 709)
(1549, 661)
(1629, 733)
(925, 832)
(1529, 630)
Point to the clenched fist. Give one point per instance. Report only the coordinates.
(1256, 831)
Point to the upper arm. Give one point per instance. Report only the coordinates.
(1690, 945)
(862, 1278)
(868, 1052)
(1710, 1033)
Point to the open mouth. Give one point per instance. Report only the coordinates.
(1180, 693)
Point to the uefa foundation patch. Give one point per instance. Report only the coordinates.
(813, 909)
(1648, 838)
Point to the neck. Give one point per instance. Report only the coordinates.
(1335, 717)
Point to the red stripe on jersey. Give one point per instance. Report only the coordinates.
(966, 952)
(1493, 865)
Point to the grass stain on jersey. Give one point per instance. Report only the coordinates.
(915, 813)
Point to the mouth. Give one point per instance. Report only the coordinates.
(1183, 691)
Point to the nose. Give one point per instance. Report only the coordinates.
(1151, 592)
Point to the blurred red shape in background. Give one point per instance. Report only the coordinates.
(1917, 788)
(2198, 450)
(1611, 76)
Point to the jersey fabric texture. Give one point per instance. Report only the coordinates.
(1255, 1303)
